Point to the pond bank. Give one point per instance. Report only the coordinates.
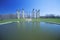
(53, 23)
(7, 22)
(47, 20)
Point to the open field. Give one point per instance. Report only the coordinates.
(52, 20)
(12, 20)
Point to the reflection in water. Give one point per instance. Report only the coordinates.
(30, 31)
(35, 26)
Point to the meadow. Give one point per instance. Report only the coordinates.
(51, 20)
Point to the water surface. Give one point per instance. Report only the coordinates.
(30, 31)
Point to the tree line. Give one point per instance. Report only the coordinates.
(7, 16)
(50, 16)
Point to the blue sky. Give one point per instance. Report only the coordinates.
(45, 6)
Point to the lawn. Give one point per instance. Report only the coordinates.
(12, 20)
(8, 20)
(51, 20)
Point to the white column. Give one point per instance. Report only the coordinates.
(38, 13)
(18, 14)
(23, 13)
(35, 14)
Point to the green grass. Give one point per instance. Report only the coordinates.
(52, 20)
(8, 20)
(36, 20)
(12, 20)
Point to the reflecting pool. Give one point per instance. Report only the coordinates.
(30, 31)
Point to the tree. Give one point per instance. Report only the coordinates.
(50, 16)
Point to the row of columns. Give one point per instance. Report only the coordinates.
(35, 13)
(18, 13)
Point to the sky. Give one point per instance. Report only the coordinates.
(45, 6)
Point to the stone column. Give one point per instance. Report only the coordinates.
(23, 13)
(18, 14)
(33, 13)
(38, 13)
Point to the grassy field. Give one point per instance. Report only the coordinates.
(52, 20)
(12, 20)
